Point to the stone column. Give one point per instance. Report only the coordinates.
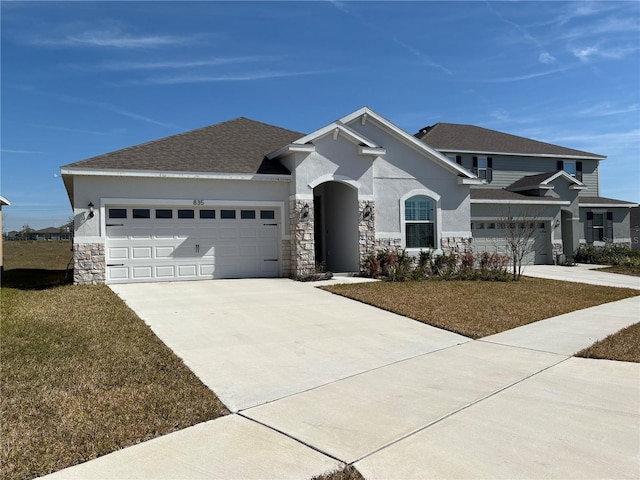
(89, 264)
(366, 229)
(456, 245)
(303, 255)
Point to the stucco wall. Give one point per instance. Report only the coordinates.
(621, 223)
(93, 189)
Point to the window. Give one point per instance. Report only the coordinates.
(228, 214)
(164, 213)
(186, 213)
(419, 216)
(141, 213)
(267, 214)
(247, 214)
(207, 214)
(483, 168)
(117, 213)
(573, 168)
(599, 227)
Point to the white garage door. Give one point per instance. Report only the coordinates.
(489, 237)
(151, 244)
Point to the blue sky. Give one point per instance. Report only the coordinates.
(84, 78)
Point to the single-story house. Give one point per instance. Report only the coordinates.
(247, 199)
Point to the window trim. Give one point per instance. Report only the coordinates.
(424, 192)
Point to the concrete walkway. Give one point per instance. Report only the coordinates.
(316, 380)
(583, 273)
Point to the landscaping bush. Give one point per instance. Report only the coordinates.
(612, 254)
(399, 266)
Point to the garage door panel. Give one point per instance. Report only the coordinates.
(142, 272)
(143, 250)
(141, 253)
(165, 271)
(117, 253)
(164, 252)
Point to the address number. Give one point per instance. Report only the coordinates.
(198, 202)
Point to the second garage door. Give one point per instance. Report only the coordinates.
(150, 244)
(490, 237)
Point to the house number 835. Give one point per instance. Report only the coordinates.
(198, 202)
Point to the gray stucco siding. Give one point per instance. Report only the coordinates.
(621, 222)
(94, 189)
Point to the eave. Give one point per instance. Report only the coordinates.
(175, 174)
(517, 154)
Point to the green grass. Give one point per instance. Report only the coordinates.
(82, 375)
(478, 309)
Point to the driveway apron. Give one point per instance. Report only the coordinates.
(398, 398)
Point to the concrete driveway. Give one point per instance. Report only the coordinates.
(316, 380)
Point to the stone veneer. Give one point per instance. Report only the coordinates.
(89, 264)
(286, 258)
(388, 243)
(303, 254)
(456, 245)
(366, 230)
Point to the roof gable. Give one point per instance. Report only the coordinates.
(234, 146)
(543, 180)
(365, 114)
(452, 137)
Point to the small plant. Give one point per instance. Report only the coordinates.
(612, 254)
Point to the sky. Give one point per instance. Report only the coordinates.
(79, 79)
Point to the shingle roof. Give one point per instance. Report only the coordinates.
(501, 194)
(530, 181)
(234, 146)
(469, 138)
(603, 201)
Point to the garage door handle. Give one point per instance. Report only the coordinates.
(269, 224)
(115, 224)
(270, 259)
(115, 264)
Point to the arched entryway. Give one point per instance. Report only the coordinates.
(336, 234)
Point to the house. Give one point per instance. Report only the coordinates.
(556, 186)
(246, 199)
(52, 233)
(3, 201)
(635, 227)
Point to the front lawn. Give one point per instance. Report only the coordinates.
(83, 376)
(477, 309)
(623, 346)
(624, 270)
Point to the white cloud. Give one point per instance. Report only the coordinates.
(177, 64)
(241, 77)
(547, 58)
(23, 152)
(584, 54)
(114, 38)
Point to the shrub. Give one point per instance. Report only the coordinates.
(611, 254)
(398, 266)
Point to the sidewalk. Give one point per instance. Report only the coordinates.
(582, 273)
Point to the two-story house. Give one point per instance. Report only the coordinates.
(246, 199)
(558, 187)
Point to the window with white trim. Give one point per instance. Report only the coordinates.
(420, 224)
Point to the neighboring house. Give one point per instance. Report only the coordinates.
(635, 227)
(3, 201)
(558, 187)
(65, 232)
(246, 199)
